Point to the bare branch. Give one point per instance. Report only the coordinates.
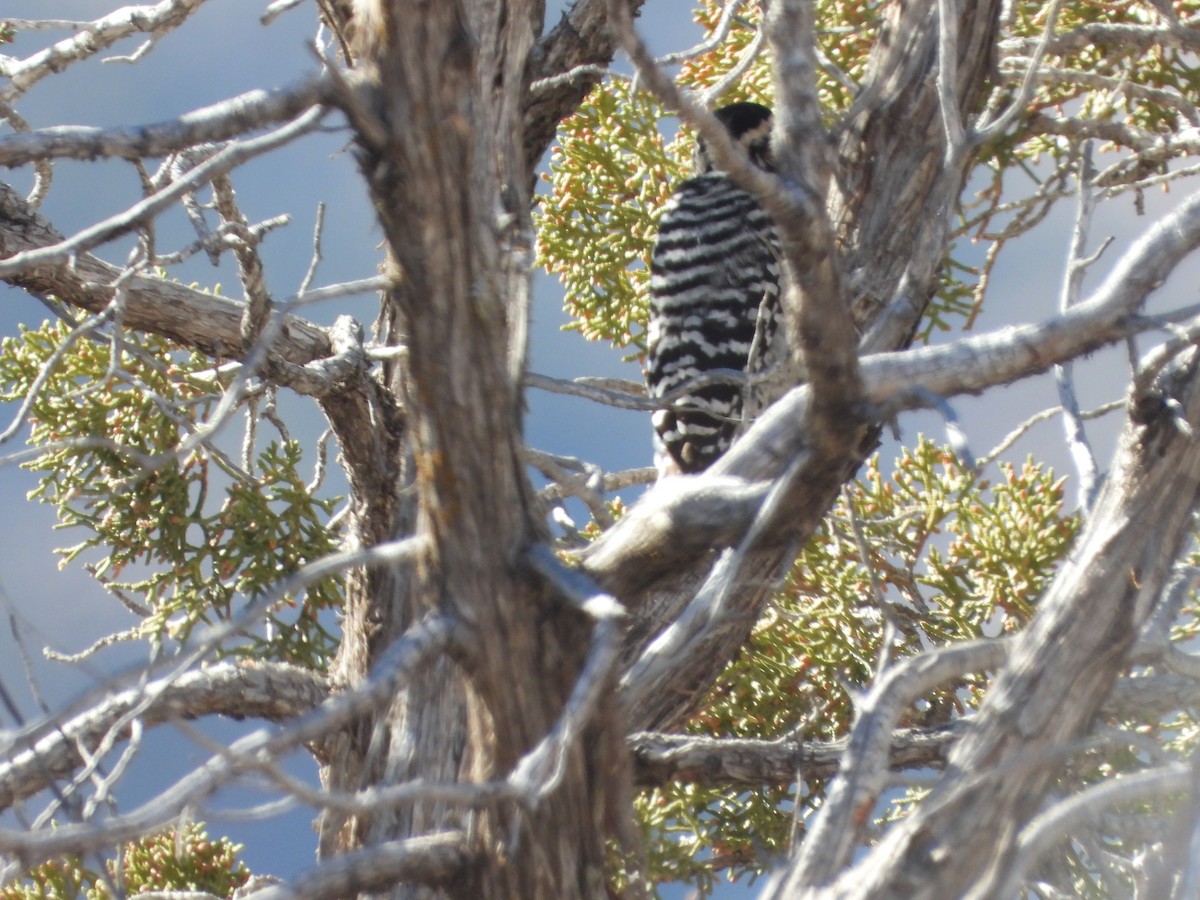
(835, 830)
(230, 157)
(210, 124)
(43, 170)
(1018, 351)
(635, 398)
(1017, 433)
(276, 692)
(397, 666)
(818, 310)
(745, 763)
(1151, 148)
(429, 859)
(94, 37)
(47, 24)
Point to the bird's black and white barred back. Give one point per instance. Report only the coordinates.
(714, 302)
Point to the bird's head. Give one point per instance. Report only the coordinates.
(749, 124)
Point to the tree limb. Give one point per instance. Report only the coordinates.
(745, 763)
(428, 859)
(582, 41)
(276, 692)
(1061, 669)
(218, 122)
(197, 320)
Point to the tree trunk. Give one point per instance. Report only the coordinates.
(444, 157)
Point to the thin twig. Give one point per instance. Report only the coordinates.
(891, 627)
(92, 39)
(318, 229)
(737, 70)
(834, 831)
(1046, 830)
(1077, 441)
(276, 9)
(985, 132)
(947, 85)
(234, 155)
(1017, 433)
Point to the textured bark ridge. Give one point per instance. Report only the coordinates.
(446, 165)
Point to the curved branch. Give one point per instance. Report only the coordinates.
(95, 36)
(670, 526)
(582, 41)
(276, 692)
(218, 122)
(430, 859)
(196, 320)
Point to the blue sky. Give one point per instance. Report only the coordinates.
(225, 51)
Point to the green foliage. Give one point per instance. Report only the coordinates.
(185, 860)
(172, 860)
(1088, 70)
(849, 31)
(954, 556)
(953, 304)
(185, 536)
(7, 33)
(612, 171)
(58, 879)
(609, 177)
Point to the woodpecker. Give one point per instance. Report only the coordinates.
(714, 301)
